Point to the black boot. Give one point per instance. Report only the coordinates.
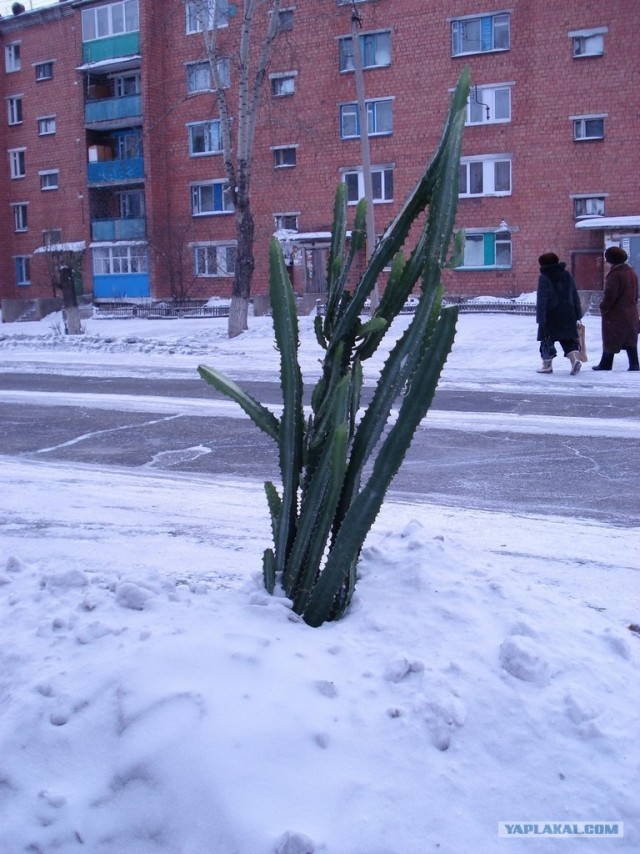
(632, 353)
(606, 363)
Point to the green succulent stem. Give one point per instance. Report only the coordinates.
(337, 463)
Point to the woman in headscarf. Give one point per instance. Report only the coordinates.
(619, 311)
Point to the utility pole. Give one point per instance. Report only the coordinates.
(356, 23)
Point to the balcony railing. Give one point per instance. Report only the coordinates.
(118, 229)
(116, 171)
(113, 109)
(113, 47)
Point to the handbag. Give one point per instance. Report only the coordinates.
(582, 340)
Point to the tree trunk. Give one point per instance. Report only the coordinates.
(239, 310)
(71, 312)
(72, 320)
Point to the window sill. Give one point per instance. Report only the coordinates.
(480, 52)
(486, 268)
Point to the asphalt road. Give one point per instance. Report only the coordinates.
(466, 458)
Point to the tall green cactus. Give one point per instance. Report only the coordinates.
(328, 499)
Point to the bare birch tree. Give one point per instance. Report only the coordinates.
(259, 30)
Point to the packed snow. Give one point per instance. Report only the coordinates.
(154, 699)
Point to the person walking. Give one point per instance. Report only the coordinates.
(619, 311)
(558, 311)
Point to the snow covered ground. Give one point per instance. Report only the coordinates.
(153, 698)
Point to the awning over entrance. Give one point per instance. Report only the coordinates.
(605, 222)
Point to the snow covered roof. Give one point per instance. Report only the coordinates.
(610, 222)
(78, 246)
(113, 63)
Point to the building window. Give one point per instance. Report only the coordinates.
(17, 165)
(375, 50)
(587, 42)
(131, 204)
(113, 19)
(119, 259)
(379, 119)
(127, 84)
(49, 179)
(205, 138)
(489, 105)
(20, 219)
(46, 125)
(381, 184)
(486, 249)
(52, 237)
(12, 57)
(485, 176)
(284, 156)
(285, 20)
(199, 76)
(588, 127)
(480, 35)
(588, 206)
(210, 198)
(285, 222)
(44, 70)
(23, 270)
(14, 105)
(215, 259)
(205, 10)
(283, 84)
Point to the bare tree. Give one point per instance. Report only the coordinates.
(259, 31)
(64, 262)
(171, 245)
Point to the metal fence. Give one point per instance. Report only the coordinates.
(159, 311)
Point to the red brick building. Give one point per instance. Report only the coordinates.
(113, 153)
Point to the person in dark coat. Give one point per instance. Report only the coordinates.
(619, 311)
(558, 311)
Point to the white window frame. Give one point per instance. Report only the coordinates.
(483, 111)
(110, 19)
(199, 192)
(193, 23)
(17, 163)
(22, 265)
(475, 250)
(199, 76)
(381, 179)
(496, 19)
(588, 43)
(211, 135)
(581, 126)
(280, 221)
(215, 259)
(12, 60)
(484, 166)
(51, 236)
(350, 118)
(120, 259)
(381, 57)
(46, 125)
(127, 84)
(20, 216)
(14, 110)
(588, 205)
(42, 67)
(126, 206)
(283, 152)
(283, 83)
(49, 180)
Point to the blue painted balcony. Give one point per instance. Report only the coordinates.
(134, 228)
(106, 172)
(99, 50)
(113, 109)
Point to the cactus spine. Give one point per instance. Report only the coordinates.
(326, 504)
